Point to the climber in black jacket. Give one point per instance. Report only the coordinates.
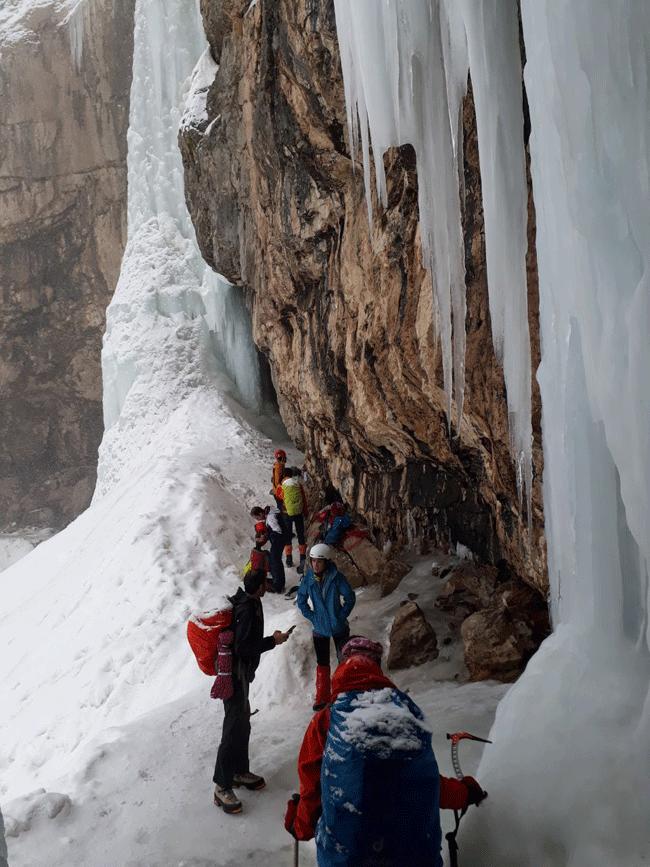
(232, 767)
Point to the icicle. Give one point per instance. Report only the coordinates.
(77, 18)
(405, 74)
(493, 44)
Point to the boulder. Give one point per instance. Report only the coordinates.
(471, 586)
(367, 559)
(412, 639)
(392, 575)
(499, 641)
(347, 567)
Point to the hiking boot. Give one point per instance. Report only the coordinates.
(292, 592)
(289, 560)
(227, 800)
(249, 781)
(301, 566)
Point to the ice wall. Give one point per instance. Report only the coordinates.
(587, 76)
(173, 323)
(568, 772)
(587, 79)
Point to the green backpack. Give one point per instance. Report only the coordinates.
(292, 490)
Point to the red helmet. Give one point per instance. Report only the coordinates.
(337, 509)
(280, 455)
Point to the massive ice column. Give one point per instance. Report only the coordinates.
(568, 772)
(571, 760)
(173, 324)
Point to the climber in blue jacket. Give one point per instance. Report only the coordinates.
(325, 599)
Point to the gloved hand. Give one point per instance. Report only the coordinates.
(290, 815)
(475, 792)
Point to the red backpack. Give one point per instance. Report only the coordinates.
(203, 631)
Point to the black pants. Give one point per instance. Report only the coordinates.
(297, 521)
(322, 646)
(232, 757)
(275, 561)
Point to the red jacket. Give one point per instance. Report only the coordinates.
(354, 673)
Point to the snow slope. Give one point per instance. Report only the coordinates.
(109, 735)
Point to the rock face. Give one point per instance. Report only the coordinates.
(344, 313)
(64, 106)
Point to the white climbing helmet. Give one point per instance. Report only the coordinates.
(321, 552)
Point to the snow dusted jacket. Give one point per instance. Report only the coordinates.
(369, 785)
(320, 601)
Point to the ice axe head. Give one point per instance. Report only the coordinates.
(455, 739)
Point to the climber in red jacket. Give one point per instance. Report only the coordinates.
(348, 816)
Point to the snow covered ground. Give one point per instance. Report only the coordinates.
(108, 733)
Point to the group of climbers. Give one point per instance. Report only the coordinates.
(370, 790)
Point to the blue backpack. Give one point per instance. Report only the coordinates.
(379, 785)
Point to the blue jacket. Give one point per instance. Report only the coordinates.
(320, 602)
(379, 785)
(334, 531)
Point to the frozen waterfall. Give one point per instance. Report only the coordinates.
(405, 74)
(173, 323)
(568, 773)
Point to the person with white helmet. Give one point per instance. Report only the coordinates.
(326, 600)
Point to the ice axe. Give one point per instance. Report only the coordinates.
(455, 739)
(450, 836)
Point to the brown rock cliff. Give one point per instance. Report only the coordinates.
(344, 313)
(64, 107)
